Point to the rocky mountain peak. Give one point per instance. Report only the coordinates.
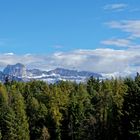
(18, 70)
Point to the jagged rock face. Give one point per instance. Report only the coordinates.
(18, 70)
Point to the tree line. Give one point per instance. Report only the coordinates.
(95, 110)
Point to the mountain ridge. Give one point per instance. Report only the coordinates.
(20, 72)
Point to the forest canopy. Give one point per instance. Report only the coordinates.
(95, 110)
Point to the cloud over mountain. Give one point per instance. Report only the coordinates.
(97, 60)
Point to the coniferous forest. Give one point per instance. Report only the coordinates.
(95, 110)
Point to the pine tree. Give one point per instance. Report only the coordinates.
(131, 114)
(18, 106)
(9, 124)
(37, 113)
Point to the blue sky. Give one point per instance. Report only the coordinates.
(81, 29)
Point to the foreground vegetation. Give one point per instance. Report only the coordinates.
(96, 110)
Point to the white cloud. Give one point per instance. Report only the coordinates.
(122, 43)
(96, 60)
(130, 26)
(9, 53)
(117, 42)
(115, 6)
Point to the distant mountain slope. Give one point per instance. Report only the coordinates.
(20, 72)
(66, 72)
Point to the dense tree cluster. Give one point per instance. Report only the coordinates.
(95, 110)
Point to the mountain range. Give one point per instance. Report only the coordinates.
(19, 72)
